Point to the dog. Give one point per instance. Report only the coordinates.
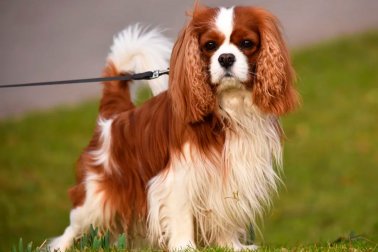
(197, 163)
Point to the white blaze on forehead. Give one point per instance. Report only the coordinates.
(225, 22)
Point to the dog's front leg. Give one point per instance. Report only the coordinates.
(179, 214)
(170, 219)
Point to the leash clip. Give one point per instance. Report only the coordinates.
(158, 73)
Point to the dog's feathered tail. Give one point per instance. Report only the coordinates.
(135, 49)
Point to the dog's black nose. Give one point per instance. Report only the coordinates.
(226, 60)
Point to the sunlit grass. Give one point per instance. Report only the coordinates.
(331, 158)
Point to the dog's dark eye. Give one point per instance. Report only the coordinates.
(210, 45)
(246, 44)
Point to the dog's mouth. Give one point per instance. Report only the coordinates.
(228, 74)
(229, 82)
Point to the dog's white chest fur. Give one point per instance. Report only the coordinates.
(243, 181)
(225, 192)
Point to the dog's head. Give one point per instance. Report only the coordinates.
(240, 45)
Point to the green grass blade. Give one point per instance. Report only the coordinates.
(121, 244)
(20, 246)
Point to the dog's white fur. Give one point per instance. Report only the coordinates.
(137, 49)
(101, 156)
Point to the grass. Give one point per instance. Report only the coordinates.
(331, 159)
(92, 241)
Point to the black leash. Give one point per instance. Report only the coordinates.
(149, 75)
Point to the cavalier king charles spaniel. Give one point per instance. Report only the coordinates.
(195, 165)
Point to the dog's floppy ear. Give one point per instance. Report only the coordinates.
(189, 88)
(273, 90)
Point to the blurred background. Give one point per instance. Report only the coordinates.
(331, 151)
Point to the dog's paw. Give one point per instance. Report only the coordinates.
(248, 248)
(236, 245)
(182, 246)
